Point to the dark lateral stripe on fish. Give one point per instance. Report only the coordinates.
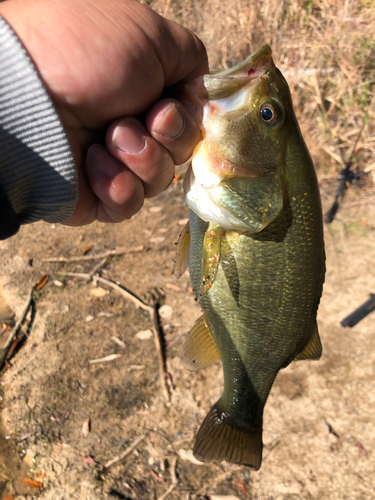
(220, 438)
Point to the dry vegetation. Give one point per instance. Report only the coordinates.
(326, 50)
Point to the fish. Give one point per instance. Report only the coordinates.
(254, 248)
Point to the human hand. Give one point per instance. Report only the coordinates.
(104, 64)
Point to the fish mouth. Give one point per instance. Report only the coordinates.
(225, 84)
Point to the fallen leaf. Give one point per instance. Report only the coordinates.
(176, 178)
(144, 334)
(87, 249)
(86, 427)
(32, 483)
(9, 497)
(14, 345)
(242, 488)
(188, 455)
(99, 292)
(156, 476)
(40, 475)
(6, 366)
(173, 287)
(88, 460)
(42, 282)
(358, 146)
(155, 209)
(165, 311)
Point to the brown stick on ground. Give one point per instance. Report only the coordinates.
(159, 342)
(117, 251)
(16, 328)
(154, 316)
(125, 453)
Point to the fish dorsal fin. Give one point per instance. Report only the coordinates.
(313, 348)
(199, 349)
(211, 257)
(182, 252)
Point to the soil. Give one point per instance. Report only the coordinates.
(319, 431)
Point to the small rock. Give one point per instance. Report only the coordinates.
(144, 334)
(165, 311)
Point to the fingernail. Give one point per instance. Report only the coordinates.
(128, 137)
(171, 123)
(98, 158)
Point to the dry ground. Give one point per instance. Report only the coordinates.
(319, 430)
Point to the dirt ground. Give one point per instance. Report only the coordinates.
(319, 430)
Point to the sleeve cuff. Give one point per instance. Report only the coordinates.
(38, 177)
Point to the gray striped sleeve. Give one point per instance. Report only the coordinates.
(38, 178)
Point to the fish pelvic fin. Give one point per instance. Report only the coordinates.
(220, 438)
(313, 349)
(182, 252)
(199, 349)
(211, 257)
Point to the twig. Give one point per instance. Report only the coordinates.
(159, 343)
(122, 290)
(98, 266)
(169, 490)
(17, 327)
(26, 437)
(154, 315)
(126, 293)
(118, 341)
(9, 376)
(117, 251)
(126, 452)
(173, 465)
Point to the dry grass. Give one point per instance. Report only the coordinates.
(326, 50)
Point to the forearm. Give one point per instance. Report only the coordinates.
(38, 177)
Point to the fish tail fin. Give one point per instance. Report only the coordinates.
(220, 438)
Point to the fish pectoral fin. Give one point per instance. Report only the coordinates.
(313, 348)
(210, 257)
(219, 438)
(199, 349)
(182, 252)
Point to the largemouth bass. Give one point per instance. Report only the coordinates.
(254, 248)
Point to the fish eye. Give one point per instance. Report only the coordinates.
(269, 114)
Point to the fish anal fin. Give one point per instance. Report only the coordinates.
(182, 252)
(219, 438)
(211, 257)
(313, 348)
(199, 349)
